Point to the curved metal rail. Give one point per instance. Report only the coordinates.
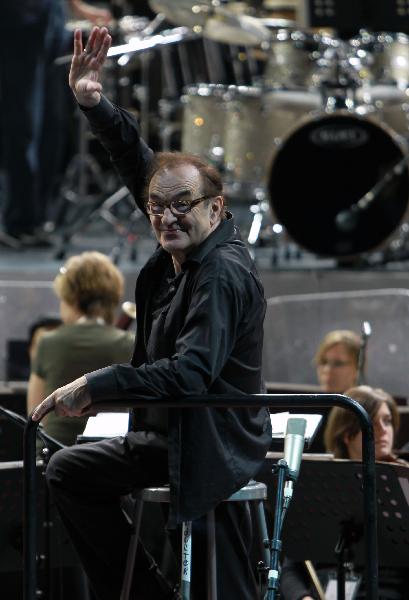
(272, 401)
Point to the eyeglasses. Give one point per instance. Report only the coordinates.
(333, 364)
(178, 207)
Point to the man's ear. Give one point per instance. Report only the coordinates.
(216, 208)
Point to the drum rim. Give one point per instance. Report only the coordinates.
(316, 115)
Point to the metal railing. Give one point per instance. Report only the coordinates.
(272, 401)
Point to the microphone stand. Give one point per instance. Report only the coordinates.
(365, 334)
(275, 544)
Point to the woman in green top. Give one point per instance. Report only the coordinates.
(89, 288)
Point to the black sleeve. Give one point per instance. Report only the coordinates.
(118, 132)
(203, 346)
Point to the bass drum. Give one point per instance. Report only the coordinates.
(323, 168)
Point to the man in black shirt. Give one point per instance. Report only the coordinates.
(200, 312)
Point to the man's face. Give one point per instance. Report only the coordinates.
(179, 235)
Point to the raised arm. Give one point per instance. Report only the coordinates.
(116, 129)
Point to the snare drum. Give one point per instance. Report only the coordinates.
(203, 125)
(255, 121)
(323, 168)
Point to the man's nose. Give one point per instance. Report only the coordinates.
(168, 216)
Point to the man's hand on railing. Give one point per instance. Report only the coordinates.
(72, 400)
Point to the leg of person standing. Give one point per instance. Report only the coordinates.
(21, 97)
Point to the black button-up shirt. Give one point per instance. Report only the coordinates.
(210, 341)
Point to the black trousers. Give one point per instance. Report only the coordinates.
(86, 483)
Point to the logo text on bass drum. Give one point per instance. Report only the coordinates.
(339, 135)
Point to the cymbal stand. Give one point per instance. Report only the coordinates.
(76, 200)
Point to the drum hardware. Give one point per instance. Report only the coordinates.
(136, 44)
(82, 187)
(124, 223)
(259, 211)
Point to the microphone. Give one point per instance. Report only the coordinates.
(293, 448)
(348, 219)
(366, 331)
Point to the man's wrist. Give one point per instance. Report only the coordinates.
(99, 114)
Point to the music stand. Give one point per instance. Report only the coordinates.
(327, 500)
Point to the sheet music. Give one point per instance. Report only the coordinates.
(279, 424)
(107, 424)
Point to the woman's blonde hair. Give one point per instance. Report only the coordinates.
(349, 339)
(342, 422)
(92, 283)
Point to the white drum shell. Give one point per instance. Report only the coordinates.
(203, 118)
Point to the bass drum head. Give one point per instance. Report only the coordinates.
(322, 169)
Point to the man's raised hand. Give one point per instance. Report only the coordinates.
(86, 66)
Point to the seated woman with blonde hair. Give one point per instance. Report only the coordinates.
(89, 287)
(337, 360)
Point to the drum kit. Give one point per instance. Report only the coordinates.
(310, 128)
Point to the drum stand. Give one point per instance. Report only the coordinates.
(124, 227)
(259, 211)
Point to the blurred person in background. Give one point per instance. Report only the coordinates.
(343, 435)
(36, 330)
(32, 35)
(89, 288)
(337, 360)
